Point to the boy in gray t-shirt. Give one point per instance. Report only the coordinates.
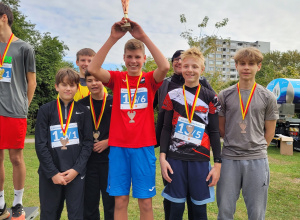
(247, 123)
(17, 86)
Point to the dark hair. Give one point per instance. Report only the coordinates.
(4, 9)
(176, 54)
(134, 44)
(86, 74)
(85, 52)
(69, 74)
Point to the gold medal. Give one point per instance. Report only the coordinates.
(64, 141)
(244, 111)
(131, 114)
(96, 133)
(190, 115)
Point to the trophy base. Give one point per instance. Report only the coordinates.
(126, 27)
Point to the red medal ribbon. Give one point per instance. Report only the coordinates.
(131, 102)
(6, 49)
(101, 113)
(243, 110)
(64, 130)
(190, 115)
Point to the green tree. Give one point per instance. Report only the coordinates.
(49, 53)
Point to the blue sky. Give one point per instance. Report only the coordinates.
(87, 23)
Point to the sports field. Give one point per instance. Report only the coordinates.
(283, 200)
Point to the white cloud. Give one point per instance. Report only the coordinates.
(87, 23)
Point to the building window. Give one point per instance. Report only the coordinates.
(224, 49)
(210, 55)
(211, 69)
(218, 56)
(232, 70)
(219, 62)
(219, 49)
(211, 62)
(240, 44)
(232, 50)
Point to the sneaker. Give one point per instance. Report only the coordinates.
(4, 214)
(18, 212)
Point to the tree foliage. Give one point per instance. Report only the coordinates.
(49, 53)
(206, 43)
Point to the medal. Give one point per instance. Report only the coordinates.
(190, 115)
(244, 111)
(64, 141)
(5, 51)
(96, 134)
(131, 114)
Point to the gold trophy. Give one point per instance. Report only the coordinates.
(126, 26)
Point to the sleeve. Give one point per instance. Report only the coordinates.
(167, 104)
(112, 79)
(154, 85)
(222, 103)
(155, 101)
(166, 132)
(30, 60)
(47, 165)
(214, 135)
(86, 143)
(272, 109)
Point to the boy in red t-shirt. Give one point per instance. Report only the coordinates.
(132, 133)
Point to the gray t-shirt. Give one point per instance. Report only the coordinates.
(246, 141)
(13, 82)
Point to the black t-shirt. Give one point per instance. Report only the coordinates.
(104, 124)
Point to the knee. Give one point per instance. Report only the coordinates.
(16, 160)
(121, 202)
(145, 205)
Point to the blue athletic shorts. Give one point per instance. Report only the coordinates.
(189, 176)
(132, 164)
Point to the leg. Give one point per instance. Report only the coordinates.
(146, 211)
(256, 178)
(167, 208)
(92, 191)
(121, 204)
(176, 210)
(19, 170)
(189, 206)
(228, 188)
(2, 171)
(108, 201)
(51, 198)
(74, 193)
(199, 212)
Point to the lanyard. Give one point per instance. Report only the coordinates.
(191, 114)
(131, 102)
(64, 130)
(243, 110)
(6, 49)
(101, 113)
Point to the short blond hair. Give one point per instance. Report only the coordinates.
(193, 53)
(134, 44)
(249, 53)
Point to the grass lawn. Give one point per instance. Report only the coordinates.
(283, 200)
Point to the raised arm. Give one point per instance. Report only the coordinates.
(95, 66)
(163, 65)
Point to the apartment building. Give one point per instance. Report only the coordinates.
(222, 59)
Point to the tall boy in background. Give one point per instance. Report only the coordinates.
(132, 132)
(17, 86)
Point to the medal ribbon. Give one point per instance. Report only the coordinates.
(131, 102)
(6, 49)
(64, 130)
(191, 115)
(243, 110)
(79, 86)
(96, 124)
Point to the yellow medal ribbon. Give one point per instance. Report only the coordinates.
(131, 102)
(190, 115)
(243, 110)
(96, 124)
(64, 130)
(6, 49)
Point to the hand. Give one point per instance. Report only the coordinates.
(59, 179)
(100, 146)
(165, 167)
(215, 174)
(116, 30)
(136, 30)
(69, 175)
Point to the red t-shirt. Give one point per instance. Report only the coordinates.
(123, 131)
